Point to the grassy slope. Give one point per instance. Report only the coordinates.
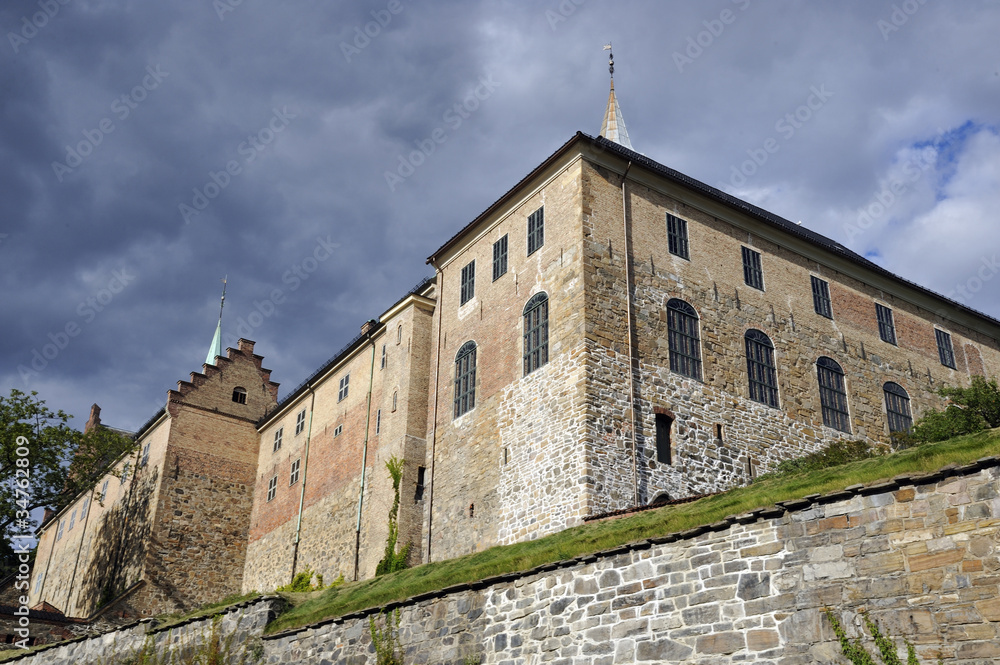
(598, 536)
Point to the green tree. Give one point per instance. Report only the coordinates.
(45, 463)
(970, 410)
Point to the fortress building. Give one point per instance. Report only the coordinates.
(609, 333)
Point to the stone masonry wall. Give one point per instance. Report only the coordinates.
(921, 554)
(719, 436)
(509, 468)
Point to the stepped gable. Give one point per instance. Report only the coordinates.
(213, 388)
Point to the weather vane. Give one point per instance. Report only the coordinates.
(611, 59)
(223, 303)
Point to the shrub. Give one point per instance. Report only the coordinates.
(835, 454)
(391, 560)
(303, 582)
(971, 410)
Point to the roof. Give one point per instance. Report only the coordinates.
(603, 145)
(613, 126)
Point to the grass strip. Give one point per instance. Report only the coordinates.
(598, 536)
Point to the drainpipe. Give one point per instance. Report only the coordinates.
(628, 322)
(367, 330)
(437, 374)
(302, 490)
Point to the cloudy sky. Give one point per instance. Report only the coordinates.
(149, 149)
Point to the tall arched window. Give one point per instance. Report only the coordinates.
(682, 335)
(832, 394)
(536, 332)
(897, 407)
(760, 368)
(465, 379)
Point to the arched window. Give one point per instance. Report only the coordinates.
(897, 407)
(832, 395)
(536, 332)
(240, 395)
(760, 368)
(395, 397)
(682, 335)
(465, 379)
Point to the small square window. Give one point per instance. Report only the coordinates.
(277, 439)
(499, 258)
(886, 327)
(345, 384)
(752, 273)
(945, 350)
(300, 422)
(821, 297)
(272, 488)
(294, 475)
(677, 236)
(240, 395)
(536, 231)
(468, 283)
(337, 431)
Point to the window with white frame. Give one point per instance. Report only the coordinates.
(272, 488)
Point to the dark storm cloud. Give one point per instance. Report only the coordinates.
(276, 124)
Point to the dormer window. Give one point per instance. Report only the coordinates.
(240, 395)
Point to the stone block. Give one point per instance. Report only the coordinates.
(720, 643)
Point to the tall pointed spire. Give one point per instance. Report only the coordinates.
(613, 127)
(216, 348)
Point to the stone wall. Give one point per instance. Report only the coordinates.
(237, 630)
(719, 436)
(920, 554)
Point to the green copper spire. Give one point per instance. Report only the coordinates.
(216, 348)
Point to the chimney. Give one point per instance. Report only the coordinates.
(246, 346)
(95, 419)
(369, 327)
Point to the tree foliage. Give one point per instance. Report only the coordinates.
(970, 410)
(45, 463)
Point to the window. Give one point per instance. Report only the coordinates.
(945, 350)
(886, 328)
(499, 258)
(272, 488)
(300, 422)
(378, 421)
(465, 379)
(536, 231)
(760, 368)
(60, 531)
(126, 470)
(663, 453)
(399, 333)
(468, 283)
(419, 493)
(277, 439)
(395, 396)
(240, 395)
(536, 332)
(83, 509)
(383, 357)
(293, 477)
(145, 454)
(72, 519)
(345, 384)
(752, 273)
(897, 407)
(104, 491)
(832, 395)
(682, 336)
(38, 581)
(677, 236)
(821, 297)
(337, 430)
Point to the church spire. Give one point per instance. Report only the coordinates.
(613, 127)
(216, 348)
